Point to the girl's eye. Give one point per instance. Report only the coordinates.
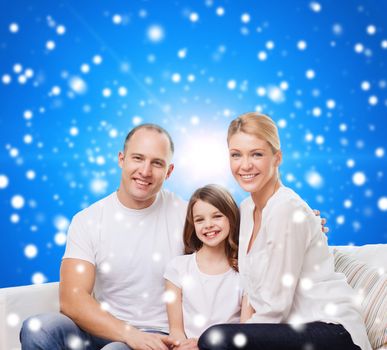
(218, 216)
(198, 220)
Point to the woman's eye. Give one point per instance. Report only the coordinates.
(235, 155)
(257, 154)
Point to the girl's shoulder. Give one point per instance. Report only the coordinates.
(181, 260)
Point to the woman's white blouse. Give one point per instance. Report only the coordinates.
(288, 274)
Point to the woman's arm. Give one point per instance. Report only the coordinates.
(247, 310)
(175, 312)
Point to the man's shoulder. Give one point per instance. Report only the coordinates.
(172, 199)
(97, 207)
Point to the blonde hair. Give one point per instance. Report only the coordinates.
(259, 125)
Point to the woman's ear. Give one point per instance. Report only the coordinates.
(278, 158)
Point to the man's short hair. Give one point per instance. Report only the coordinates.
(150, 126)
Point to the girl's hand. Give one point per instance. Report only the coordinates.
(188, 344)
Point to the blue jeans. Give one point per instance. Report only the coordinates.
(264, 336)
(55, 331)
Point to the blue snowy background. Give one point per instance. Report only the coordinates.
(76, 76)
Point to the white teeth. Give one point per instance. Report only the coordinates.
(211, 234)
(249, 176)
(142, 182)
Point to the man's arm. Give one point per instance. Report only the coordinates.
(77, 279)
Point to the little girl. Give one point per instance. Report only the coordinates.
(202, 287)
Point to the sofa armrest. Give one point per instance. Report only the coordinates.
(19, 303)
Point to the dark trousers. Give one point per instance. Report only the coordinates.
(250, 336)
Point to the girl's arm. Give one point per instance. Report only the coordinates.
(175, 312)
(247, 310)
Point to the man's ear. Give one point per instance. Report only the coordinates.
(121, 157)
(169, 171)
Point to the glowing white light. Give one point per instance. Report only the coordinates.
(373, 100)
(106, 92)
(176, 77)
(98, 186)
(220, 11)
(187, 281)
(117, 19)
(61, 223)
(302, 45)
(74, 131)
(359, 48)
(337, 29)
(199, 320)
(275, 94)
(231, 84)
(74, 342)
(340, 220)
(245, 18)
(30, 251)
(195, 120)
(38, 278)
(100, 160)
(314, 179)
(316, 111)
(60, 238)
(60, 29)
(13, 320)
(306, 283)
(350, 163)
(3, 181)
(13, 152)
(182, 53)
(382, 203)
(270, 45)
(17, 202)
(330, 309)
(359, 178)
(379, 152)
(347, 203)
(193, 17)
(365, 85)
(315, 6)
(299, 216)
(27, 114)
(309, 137)
(29, 73)
(383, 44)
(17, 68)
(136, 120)
(169, 296)
(80, 268)
(262, 55)
(320, 139)
(105, 306)
(215, 336)
(113, 133)
(13, 27)
(22, 79)
(155, 33)
(287, 280)
(261, 91)
(78, 85)
(284, 85)
(50, 45)
(34, 324)
(343, 127)
(191, 78)
(240, 340)
(199, 152)
(282, 123)
(331, 104)
(105, 267)
(85, 68)
(6, 79)
(371, 29)
(97, 59)
(122, 91)
(310, 74)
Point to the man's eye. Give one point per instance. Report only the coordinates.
(158, 164)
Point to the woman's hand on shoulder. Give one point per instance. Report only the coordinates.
(324, 228)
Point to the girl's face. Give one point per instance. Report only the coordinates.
(252, 161)
(211, 226)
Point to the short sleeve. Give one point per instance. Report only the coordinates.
(80, 239)
(172, 272)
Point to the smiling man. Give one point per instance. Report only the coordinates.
(111, 281)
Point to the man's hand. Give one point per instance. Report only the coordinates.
(323, 221)
(188, 344)
(138, 340)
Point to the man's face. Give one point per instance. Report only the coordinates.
(145, 165)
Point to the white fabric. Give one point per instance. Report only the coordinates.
(206, 299)
(289, 273)
(130, 249)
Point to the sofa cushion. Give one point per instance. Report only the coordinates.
(371, 287)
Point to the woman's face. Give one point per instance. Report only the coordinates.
(252, 161)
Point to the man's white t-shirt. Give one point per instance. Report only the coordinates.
(206, 299)
(130, 249)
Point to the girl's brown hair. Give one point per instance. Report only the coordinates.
(221, 199)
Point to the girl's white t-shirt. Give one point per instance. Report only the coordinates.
(206, 299)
